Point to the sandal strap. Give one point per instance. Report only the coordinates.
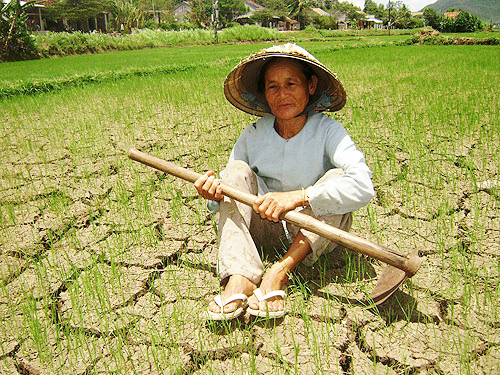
(234, 297)
(275, 293)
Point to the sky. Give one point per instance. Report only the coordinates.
(413, 5)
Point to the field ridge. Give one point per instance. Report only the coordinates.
(47, 85)
(39, 86)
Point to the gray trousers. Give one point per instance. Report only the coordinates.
(242, 231)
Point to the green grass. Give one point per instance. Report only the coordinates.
(109, 264)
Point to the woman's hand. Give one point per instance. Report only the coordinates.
(271, 205)
(209, 187)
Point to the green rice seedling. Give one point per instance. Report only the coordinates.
(429, 134)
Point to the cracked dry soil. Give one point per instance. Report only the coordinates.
(107, 267)
(87, 289)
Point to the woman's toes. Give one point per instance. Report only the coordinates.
(213, 307)
(253, 303)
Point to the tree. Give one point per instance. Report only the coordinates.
(15, 41)
(263, 16)
(432, 18)
(467, 22)
(300, 10)
(201, 13)
(325, 22)
(373, 8)
(229, 10)
(399, 16)
(76, 10)
(275, 5)
(369, 5)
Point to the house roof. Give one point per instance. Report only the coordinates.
(253, 5)
(320, 11)
(372, 18)
(341, 17)
(183, 4)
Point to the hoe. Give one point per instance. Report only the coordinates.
(399, 266)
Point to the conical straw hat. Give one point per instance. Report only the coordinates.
(241, 85)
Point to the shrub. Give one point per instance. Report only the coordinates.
(429, 36)
(151, 24)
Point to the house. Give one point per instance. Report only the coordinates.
(252, 7)
(288, 25)
(182, 11)
(38, 20)
(369, 21)
(342, 20)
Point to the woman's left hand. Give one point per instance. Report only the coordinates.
(271, 205)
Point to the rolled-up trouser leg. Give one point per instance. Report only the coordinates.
(321, 245)
(240, 228)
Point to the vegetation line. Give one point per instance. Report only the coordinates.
(47, 85)
(53, 84)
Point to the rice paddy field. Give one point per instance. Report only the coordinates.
(107, 266)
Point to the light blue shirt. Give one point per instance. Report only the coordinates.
(299, 162)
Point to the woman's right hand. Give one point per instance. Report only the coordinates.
(209, 187)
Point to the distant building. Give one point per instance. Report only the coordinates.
(182, 11)
(369, 21)
(372, 22)
(320, 12)
(288, 25)
(252, 7)
(342, 20)
(451, 15)
(36, 16)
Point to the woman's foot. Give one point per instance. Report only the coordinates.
(276, 278)
(236, 284)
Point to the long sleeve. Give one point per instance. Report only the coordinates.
(351, 191)
(291, 164)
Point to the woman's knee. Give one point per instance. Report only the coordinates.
(238, 167)
(239, 174)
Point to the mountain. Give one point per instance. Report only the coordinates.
(485, 10)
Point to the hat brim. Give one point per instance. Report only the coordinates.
(243, 79)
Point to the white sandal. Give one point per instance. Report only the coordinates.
(230, 315)
(262, 298)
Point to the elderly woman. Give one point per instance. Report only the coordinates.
(293, 158)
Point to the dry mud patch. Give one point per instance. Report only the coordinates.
(107, 267)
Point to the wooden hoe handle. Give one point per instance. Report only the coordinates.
(407, 263)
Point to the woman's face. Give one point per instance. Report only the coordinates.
(286, 89)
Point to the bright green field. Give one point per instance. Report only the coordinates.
(106, 266)
(56, 68)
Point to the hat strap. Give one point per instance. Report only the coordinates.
(323, 101)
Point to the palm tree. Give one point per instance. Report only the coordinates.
(13, 11)
(127, 13)
(298, 9)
